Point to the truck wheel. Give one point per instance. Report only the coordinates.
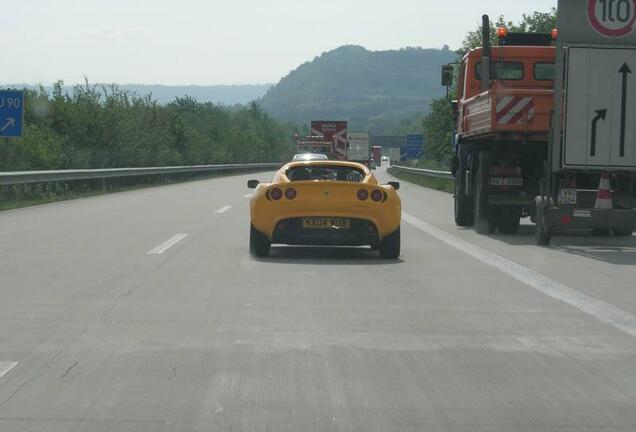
(463, 211)
(508, 220)
(543, 235)
(542, 231)
(390, 246)
(483, 212)
(259, 243)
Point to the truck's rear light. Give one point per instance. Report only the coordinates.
(377, 195)
(363, 195)
(555, 34)
(502, 32)
(275, 194)
(290, 193)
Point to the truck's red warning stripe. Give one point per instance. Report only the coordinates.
(512, 109)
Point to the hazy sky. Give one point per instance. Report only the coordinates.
(218, 42)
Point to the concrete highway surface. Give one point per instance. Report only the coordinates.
(143, 311)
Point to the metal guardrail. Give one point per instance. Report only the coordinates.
(27, 177)
(424, 172)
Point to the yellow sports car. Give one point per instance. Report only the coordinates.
(331, 203)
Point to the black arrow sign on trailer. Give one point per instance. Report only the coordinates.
(600, 115)
(623, 70)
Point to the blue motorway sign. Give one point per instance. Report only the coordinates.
(11, 113)
(414, 146)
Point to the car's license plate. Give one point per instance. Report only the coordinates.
(326, 223)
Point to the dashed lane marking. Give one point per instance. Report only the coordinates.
(166, 245)
(248, 196)
(6, 366)
(602, 311)
(223, 209)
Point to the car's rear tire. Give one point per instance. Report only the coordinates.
(259, 243)
(390, 246)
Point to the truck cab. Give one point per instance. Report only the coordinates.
(519, 97)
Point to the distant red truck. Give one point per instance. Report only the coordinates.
(334, 132)
(376, 154)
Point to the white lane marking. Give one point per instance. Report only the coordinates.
(223, 209)
(248, 195)
(166, 245)
(6, 366)
(604, 312)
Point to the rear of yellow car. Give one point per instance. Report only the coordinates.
(336, 204)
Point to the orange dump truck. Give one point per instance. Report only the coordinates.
(505, 96)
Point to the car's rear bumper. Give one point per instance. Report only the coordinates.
(361, 232)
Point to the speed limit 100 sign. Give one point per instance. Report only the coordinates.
(612, 18)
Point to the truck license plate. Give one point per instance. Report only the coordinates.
(506, 181)
(567, 196)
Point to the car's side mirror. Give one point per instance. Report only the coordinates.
(396, 185)
(252, 184)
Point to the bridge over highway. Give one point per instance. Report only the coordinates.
(143, 310)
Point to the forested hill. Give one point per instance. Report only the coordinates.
(356, 84)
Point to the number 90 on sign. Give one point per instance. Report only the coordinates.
(10, 102)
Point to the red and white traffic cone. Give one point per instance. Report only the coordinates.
(604, 195)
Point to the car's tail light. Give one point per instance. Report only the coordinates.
(290, 193)
(363, 194)
(377, 195)
(275, 194)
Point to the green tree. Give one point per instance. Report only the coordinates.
(537, 22)
(438, 127)
(107, 127)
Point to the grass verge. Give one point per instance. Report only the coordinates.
(444, 185)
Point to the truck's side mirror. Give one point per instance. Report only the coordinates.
(252, 184)
(447, 75)
(396, 185)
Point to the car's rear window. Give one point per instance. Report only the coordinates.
(325, 172)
